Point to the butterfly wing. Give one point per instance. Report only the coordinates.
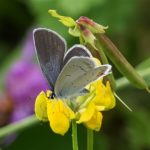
(76, 74)
(50, 48)
(76, 50)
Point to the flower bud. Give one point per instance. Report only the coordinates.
(91, 25)
(87, 35)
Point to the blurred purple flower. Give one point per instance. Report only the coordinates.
(24, 81)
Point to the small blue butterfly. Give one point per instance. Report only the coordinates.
(67, 71)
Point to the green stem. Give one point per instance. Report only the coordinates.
(18, 126)
(74, 135)
(90, 137)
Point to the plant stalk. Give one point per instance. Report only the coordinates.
(74, 135)
(90, 139)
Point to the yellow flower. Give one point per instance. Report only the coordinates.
(55, 111)
(59, 116)
(86, 113)
(91, 117)
(95, 122)
(102, 99)
(87, 108)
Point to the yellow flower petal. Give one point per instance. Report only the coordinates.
(59, 123)
(59, 116)
(41, 107)
(87, 114)
(95, 122)
(67, 21)
(71, 113)
(104, 98)
(111, 99)
(91, 117)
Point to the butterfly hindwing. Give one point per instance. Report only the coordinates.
(50, 48)
(76, 50)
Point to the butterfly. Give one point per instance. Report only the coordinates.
(67, 71)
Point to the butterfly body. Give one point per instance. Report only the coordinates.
(67, 73)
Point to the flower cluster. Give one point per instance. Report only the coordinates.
(87, 108)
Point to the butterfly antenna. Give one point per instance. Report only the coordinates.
(122, 102)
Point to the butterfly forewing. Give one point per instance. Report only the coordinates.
(77, 84)
(76, 50)
(76, 74)
(50, 49)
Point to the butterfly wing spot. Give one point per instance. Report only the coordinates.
(82, 68)
(100, 74)
(68, 75)
(78, 66)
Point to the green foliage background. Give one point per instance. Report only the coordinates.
(129, 28)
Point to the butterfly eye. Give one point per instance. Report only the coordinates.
(52, 96)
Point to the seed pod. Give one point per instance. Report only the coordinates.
(120, 62)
